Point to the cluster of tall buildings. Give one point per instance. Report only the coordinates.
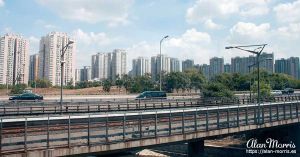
(104, 66)
(17, 67)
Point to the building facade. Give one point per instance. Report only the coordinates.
(187, 64)
(86, 73)
(50, 58)
(118, 64)
(140, 66)
(216, 66)
(33, 67)
(227, 68)
(14, 59)
(289, 66)
(101, 66)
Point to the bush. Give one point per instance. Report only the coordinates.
(214, 89)
(18, 89)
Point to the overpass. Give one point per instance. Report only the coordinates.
(60, 135)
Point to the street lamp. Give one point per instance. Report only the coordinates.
(63, 51)
(257, 51)
(160, 72)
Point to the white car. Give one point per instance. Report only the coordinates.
(276, 92)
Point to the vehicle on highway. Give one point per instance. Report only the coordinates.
(27, 96)
(276, 92)
(288, 91)
(152, 95)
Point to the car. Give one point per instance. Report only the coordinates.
(152, 95)
(27, 96)
(288, 91)
(276, 92)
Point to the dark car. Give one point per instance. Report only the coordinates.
(288, 91)
(152, 95)
(27, 96)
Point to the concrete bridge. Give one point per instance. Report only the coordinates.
(109, 132)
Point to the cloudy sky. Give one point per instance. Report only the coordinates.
(198, 29)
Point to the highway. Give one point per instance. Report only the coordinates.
(19, 134)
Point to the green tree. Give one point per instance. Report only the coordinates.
(18, 89)
(107, 85)
(142, 83)
(43, 83)
(214, 89)
(127, 82)
(119, 83)
(197, 79)
(265, 89)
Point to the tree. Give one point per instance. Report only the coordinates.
(70, 85)
(196, 78)
(119, 83)
(142, 83)
(107, 85)
(265, 89)
(18, 89)
(43, 83)
(213, 89)
(127, 82)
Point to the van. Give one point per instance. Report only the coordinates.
(152, 95)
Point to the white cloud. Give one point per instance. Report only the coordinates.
(112, 12)
(204, 10)
(243, 32)
(192, 44)
(211, 25)
(290, 31)
(288, 12)
(89, 43)
(1, 3)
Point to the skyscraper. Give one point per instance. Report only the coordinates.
(187, 64)
(164, 64)
(77, 75)
(216, 66)
(288, 66)
(118, 63)
(174, 65)
(205, 70)
(33, 67)
(86, 73)
(14, 59)
(227, 68)
(101, 66)
(50, 58)
(140, 66)
(293, 67)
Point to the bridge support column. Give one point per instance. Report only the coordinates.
(196, 148)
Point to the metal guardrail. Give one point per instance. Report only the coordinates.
(124, 105)
(50, 132)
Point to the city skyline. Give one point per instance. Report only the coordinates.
(138, 26)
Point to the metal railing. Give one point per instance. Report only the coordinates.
(50, 132)
(125, 105)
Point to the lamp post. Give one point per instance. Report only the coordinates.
(257, 51)
(63, 50)
(160, 71)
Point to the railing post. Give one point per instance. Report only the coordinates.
(277, 112)
(170, 126)
(206, 117)
(238, 116)
(195, 120)
(106, 128)
(89, 130)
(124, 126)
(69, 132)
(218, 118)
(270, 112)
(263, 114)
(25, 135)
(48, 132)
(1, 120)
(246, 114)
(182, 121)
(140, 126)
(155, 124)
(291, 113)
(297, 108)
(255, 120)
(284, 111)
(228, 123)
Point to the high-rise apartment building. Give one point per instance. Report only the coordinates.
(33, 67)
(227, 68)
(118, 63)
(77, 75)
(101, 66)
(140, 66)
(205, 68)
(216, 66)
(14, 59)
(50, 58)
(86, 73)
(161, 63)
(174, 65)
(187, 64)
(288, 66)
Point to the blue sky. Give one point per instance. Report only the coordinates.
(198, 29)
